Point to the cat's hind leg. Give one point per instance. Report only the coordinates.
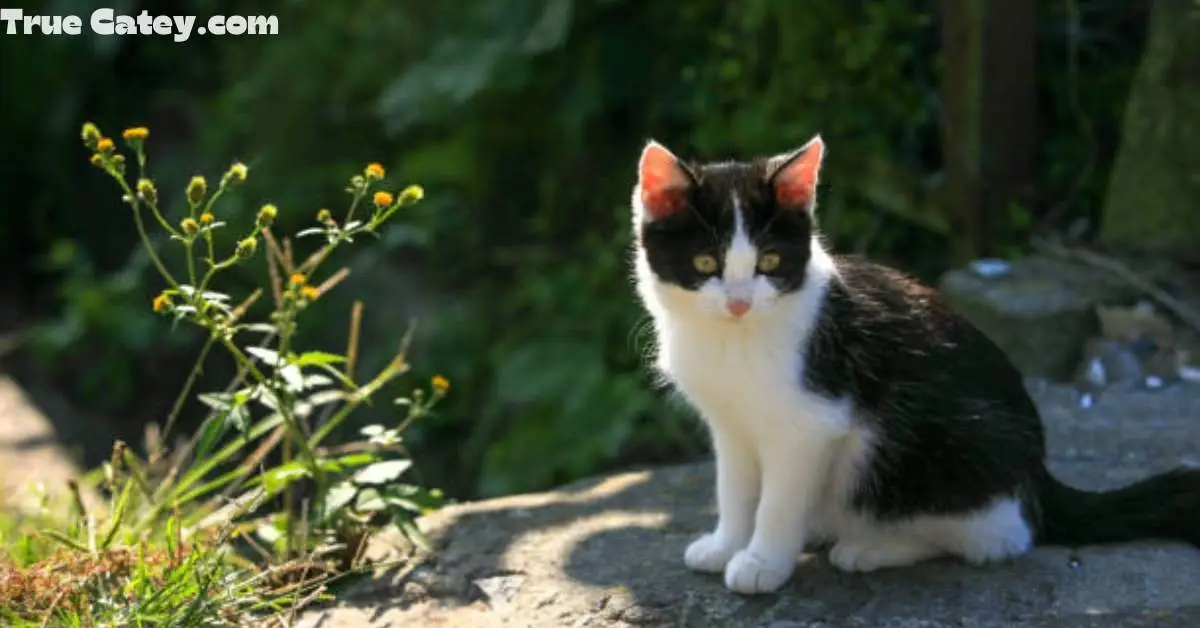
(879, 552)
(996, 532)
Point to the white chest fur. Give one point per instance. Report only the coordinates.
(748, 378)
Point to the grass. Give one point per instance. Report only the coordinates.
(257, 515)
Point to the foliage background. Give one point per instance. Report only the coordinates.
(522, 119)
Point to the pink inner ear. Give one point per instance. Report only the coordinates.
(796, 183)
(663, 183)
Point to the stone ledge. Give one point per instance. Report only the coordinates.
(607, 553)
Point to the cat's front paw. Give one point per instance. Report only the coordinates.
(750, 572)
(709, 553)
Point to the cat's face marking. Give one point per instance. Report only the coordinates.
(726, 240)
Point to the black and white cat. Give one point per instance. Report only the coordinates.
(846, 403)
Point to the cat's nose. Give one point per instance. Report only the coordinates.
(737, 307)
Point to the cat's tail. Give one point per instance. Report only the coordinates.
(1161, 507)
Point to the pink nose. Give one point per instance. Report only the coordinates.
(737, 307)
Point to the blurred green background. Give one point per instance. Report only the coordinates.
(523, 120)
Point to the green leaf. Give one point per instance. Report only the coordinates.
(211, 431)
(239, 416)
(414, 534)
(65, 540)
(317, 358)
(358, 459)
(325, 397)
(217, 401)
(279, 478)
(369, 500)
(292, 377)
(382, 472)
(269, 356)
(316, 379)
(338, 496)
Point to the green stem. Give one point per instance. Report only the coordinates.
(187, 387)
(153, 205)
(306, 452)
(191, 267)
(355, 400)
(141, 228)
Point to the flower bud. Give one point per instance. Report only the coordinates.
(237, 174)
(266, 215)
(146, 190)
(246, 248)
(91, 136)
(411, 194)
(197, 189)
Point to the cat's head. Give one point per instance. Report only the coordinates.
(727, 240)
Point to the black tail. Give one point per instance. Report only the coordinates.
(1161, 507)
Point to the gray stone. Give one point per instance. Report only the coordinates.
(608, 552)
(1041, 311)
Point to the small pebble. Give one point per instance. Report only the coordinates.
(1074, 562)
(1154, 382)
(990, 268)
(1097, 375)
(1189, 373)
(1086, 400)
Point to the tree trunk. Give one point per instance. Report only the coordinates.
(989, 131)
(1153, 201)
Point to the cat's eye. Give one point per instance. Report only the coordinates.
(768, 262)
(704, 263)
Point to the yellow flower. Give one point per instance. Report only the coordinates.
(189, 226)
(135, 134)
(383, 199)
(206, 218)
(162, 303)
(91, 135)
(323, 216)
(97, 159)
(118, 163)
(440, 384)
(375, 172)
(298, 280)
(105, 145)
(196, 189)
(266, 215)
(411, 194)
(310, 293)
(236, 174)
(146, 190)
(245, 248)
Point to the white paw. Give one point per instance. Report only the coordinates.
(862, 557)
(709, 553)
(750, 572)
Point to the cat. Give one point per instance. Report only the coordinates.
(847, 404)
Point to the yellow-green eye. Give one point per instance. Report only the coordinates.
(705, 263)
(768, 262)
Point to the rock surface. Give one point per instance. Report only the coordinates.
(32, 456)
(607, 553)
(1040, 310)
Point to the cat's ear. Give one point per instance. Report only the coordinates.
(663, 183)
(793, 176)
